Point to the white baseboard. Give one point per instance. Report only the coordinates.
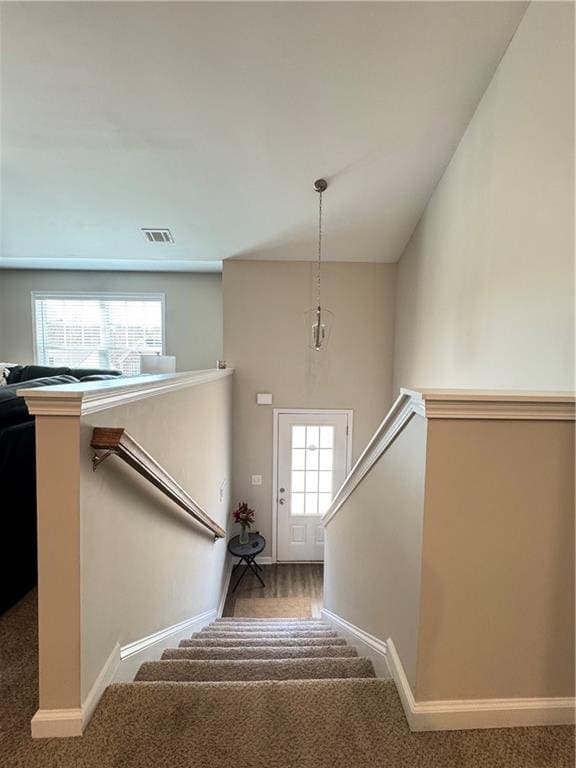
(476, 713)
(228, 574)
(57, 723)
(61, 723)
(369, 645)
(106, 676)
(150, 648)
(121, 666)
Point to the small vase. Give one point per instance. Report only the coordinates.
(244, 535)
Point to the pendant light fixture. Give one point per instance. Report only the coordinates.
(319, 319)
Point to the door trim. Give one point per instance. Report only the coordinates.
(275, 430)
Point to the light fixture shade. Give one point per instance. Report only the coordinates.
(319, 322)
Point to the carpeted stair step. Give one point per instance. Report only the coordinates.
(266, 628)
(260, 652)
(269, 619)
(304, 723)
(259, 622)
(215, 627)
(187, 670)
(271, 622)
(209, 633)
(244, 641)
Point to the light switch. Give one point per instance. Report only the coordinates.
(264, 398)
(256, 479)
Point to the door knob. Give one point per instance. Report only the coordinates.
(280, 501)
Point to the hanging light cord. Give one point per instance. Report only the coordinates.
(319, 249)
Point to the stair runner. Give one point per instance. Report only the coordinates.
(259, 650)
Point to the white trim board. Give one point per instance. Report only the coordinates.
(476, 713)
(106, 676)
(452, 404)
(56, 723)
(225, 586)
(62, 723)
(121, 666)
(404, 408)
(368, 645)
(92, 396)
(149, 648)
(494, 404)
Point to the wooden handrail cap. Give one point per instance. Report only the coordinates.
(107, 438)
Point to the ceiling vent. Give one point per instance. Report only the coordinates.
(158, 235)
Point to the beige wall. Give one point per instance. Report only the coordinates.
(265, 340)
(193, 309)
(145, 564)
(465, 529)
(485, 286)
(373, 548)
(497, 605)
(118, 560)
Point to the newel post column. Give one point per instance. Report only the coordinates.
(58, 515)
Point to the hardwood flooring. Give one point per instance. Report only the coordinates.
(282, 580)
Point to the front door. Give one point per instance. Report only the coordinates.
(312, 463)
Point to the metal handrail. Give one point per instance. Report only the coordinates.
(116, 441)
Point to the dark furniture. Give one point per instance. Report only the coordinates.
(20, 373)
(18, 566)
(247, 554)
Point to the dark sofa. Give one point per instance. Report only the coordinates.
(20, 373)
(18, 566)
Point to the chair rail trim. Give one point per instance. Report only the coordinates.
(452, 404)
(495, 404)
(404, 408)
(90, 397)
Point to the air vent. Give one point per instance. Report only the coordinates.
(158, 235)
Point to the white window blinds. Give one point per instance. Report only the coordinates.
(98, 330)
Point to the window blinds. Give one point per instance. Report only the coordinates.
(98, 330)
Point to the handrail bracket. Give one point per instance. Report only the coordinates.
(98, 458)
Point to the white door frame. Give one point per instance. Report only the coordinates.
(298, 411)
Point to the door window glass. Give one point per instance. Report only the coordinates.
(311, 471)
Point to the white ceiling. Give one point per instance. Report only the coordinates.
(214, 119)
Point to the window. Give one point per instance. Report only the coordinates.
(312, 459)
(98, 330)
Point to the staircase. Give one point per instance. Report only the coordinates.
(259, 649)
(252, 693)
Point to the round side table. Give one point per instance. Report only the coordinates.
(247, 554)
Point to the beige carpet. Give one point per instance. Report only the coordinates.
(323, 723)
(254, 668)
(275, 607)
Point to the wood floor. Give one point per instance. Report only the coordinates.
(282, 580)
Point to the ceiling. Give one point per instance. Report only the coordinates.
(214, 119)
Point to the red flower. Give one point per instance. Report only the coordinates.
(244, 515)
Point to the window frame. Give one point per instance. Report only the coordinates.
(96, 296)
